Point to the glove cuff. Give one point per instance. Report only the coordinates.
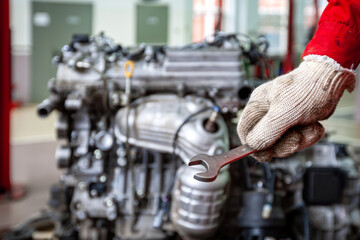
(326, 59)
(327, 71)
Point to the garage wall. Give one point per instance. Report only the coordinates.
(115, 17)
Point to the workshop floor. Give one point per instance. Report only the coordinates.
(33, 146)
(32, 164)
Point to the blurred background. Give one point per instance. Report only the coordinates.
(40, 28)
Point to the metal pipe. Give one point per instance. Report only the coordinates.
(210, 124)
(47, 106)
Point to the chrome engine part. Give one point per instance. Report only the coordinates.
(124, 146)
(154, 120)
(197, 206)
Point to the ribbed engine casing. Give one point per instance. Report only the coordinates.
(197, 206)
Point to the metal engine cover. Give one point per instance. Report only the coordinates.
(154, 120)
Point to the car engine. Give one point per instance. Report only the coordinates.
(125, 141)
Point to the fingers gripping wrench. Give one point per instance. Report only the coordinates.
(213, 164)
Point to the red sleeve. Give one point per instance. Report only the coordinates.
(338, 35)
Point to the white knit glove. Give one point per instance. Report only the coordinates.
(282, 115)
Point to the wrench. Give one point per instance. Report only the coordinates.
(214, 163)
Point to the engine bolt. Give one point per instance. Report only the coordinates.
(78, 205)
(82, 186)
(121, 162)
(121, 152)
(140, 192)
(109, 202)
(81, 215)
(102, 178)
(93, 193)
(97, 154)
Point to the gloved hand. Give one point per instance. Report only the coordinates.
(282, 115)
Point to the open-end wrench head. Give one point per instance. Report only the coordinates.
(213, 164)
(200, 159)
(207, 176)
(210, 165)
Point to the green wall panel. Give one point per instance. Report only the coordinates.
(152, 24)
(53, 25)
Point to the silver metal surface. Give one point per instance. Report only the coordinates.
(154, 120)
(197, 206)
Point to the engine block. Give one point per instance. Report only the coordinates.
(124, 145)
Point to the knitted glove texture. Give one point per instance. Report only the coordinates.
(282, 115)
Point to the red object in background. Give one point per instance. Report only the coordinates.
(5, 60)
(289, 63)
(263, 71)
(218, 21)
(338, 33)
(198, 28)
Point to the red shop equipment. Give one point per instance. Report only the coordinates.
(7, 189)
(5, 60)
(289, 62)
